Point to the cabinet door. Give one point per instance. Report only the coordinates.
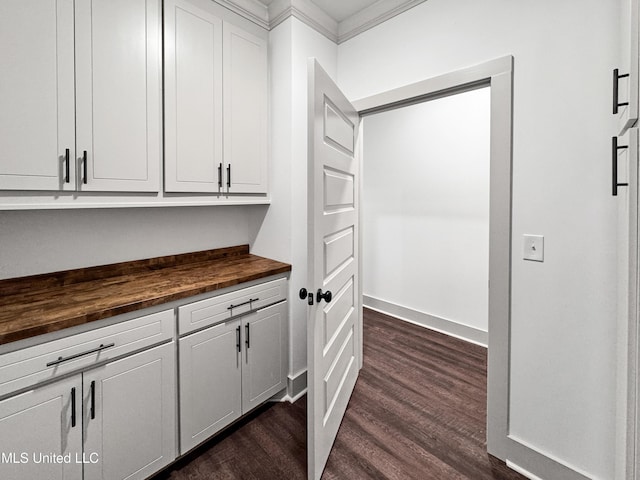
(38, 424)
(265, 359)
(118, 94)
(129, 415)
(245, 111)
(193, 98)
(628, 86)
(36, 95)
(210, 382)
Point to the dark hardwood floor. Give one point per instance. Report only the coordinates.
(418, 412)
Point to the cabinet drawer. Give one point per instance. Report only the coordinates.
(27, 367)
(222, 307)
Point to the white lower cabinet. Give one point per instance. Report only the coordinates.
(114, 422)
(129, 415)
(264, 367)
(228, 369)
(112, 412)
(210, 376)
(102, 419)
(39, 424)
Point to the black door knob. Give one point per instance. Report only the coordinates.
(326, 296)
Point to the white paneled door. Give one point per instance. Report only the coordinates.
(334, 319)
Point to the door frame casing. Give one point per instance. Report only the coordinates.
(498, 75)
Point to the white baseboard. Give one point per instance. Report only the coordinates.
(296, 398)
(296, 385)
(442, 325)
(522, 471)
(547, 466)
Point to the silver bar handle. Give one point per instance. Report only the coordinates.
(77, 355)
(250, 301)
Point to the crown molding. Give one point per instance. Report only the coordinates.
(379, 12)
(308, 12)
(252, 10)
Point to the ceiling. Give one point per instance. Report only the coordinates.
(340, 10)
(338, 20)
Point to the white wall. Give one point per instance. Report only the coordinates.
(283, 233)
(563, 310)
(271, 229)
(42, 241)
(426, 207)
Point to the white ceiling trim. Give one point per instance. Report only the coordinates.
(309, 13)
(252, 10)
(305, 11)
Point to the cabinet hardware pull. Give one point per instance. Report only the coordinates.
(93, 399)
(238, 339)
(220, 175)
(326, 296)
(73, 407)
(250, 301)
(614, 165)
(72, 357)
(616, 80)
(66, 165)
(84, 166)
(229, 176)
(247, 341)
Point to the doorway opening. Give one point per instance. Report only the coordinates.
(498, 75)
(425, 213)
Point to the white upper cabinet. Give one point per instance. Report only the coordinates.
(82, 103)
(193, 98)
(625, 78)
(216, 88)
(118, 94)
(80, 95)
(37, 137)
(245, 111)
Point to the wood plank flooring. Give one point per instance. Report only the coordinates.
(418, 412)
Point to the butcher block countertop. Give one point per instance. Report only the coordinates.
(39, 304)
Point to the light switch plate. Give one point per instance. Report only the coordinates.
(534, 248)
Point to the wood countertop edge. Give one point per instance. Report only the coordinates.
(15, 334)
